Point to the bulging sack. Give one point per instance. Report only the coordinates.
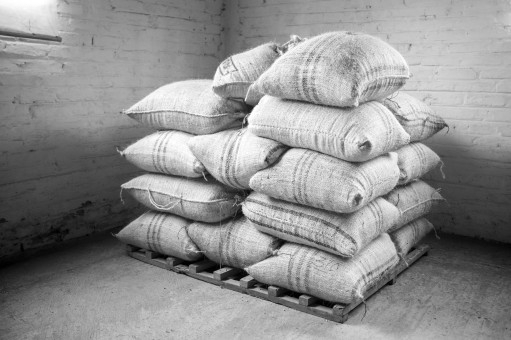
(189, 106)
(196, 199)
(165, 152)
(339, 234)
(353, 134)
(333, 278)
(163, 233)
(417, 118)
(234, 156)
(237, 73)
(235, 243)
(414, 161)
(314, 179)
(413, 200)
(409, 235)
(336, 69)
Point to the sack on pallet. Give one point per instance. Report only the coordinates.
(311, 178)
(339, 234)
(196, 199)
(165, 152)
(336, 69)
(409, 235)
(235, 243)
(353, 134)
(417, 118)
(189, 106)
(237, 73)
(413, 200)
(311, 271)
(234, 156)
(162, 233)
(414, 161)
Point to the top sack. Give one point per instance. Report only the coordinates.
(336, 69)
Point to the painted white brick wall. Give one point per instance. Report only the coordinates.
(460, 57)
(60, 104)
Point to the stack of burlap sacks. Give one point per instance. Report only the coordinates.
(332, 152)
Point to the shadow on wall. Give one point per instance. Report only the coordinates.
(63, 192)
(476, 186)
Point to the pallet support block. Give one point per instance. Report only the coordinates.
(237, 280)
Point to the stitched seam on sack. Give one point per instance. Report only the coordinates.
(232, 82)
(282, 231)
(296, 129)
(177, 111)
(182, 199)
(367, 275)
(310, 217)
(421, 203)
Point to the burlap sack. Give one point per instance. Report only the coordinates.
(163, 233)
(406, 237)
(234, 156)
(235, 74)
(339, 234)
(413, 200)
(414, 161)
(336, 69)
(253, 97)
(311, 271)
(165, 152)
(189, 106)
(235, 243)
(417, 118)
(314, 179)
(356, 134)
(196, 199)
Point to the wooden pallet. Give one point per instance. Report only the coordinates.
(238, 280)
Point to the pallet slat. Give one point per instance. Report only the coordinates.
(237, 280)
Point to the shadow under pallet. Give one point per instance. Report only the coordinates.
(239, 281)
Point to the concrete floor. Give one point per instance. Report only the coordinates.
(90, 289)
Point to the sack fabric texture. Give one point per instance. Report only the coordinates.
(165, 152)
(312, 271)
(336, 69)
(235, 74)
(414, 161)
(235, 242)
(417, 118)
(311, 178)
(352, 134)
(234, 156)
(193, 198)
(413, 200)
(339, 234)
(162, 233)
(189, 106)
(408, 236)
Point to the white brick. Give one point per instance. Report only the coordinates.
(60, 106)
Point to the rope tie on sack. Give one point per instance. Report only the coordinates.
(168, 206)
(436, 234)
(403, 258)
(294, 40)
(119, 150)
(244, 121)
(195, 251)
(442, 169)
(120, 196)
(359, 295)
(204, 176)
